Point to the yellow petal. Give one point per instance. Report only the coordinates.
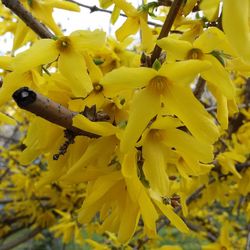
(44, 14)
(129, 220)
(149, 214)
(126, 78)
(42, 52)
(129, 164)
(101, 186)
(237, 28)
(98, 128)
(62, 5)
(210, 9)
(184, 72)
(73, 67)
(213, 39)
(94, 71)
(6, 119)
(167, 210)
(188, 145)
(219, 77)
(127, 7)
(36, 142)
(189, 5)
(154, 166)
(144, 107)
(147, 36)
(181, 102)
(115, 14)
(5, 62)
(12, 82)
(222, 109)
(166, 123)
(129, 27)
(86, 39)
(178, 48)
(106, 145)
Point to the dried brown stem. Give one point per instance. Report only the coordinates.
(21, 239)
(48, 109)
(16, 7)
(173, 12)
(199, 88)
(248, 238)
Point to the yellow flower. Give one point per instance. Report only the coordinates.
(136, 19)
(211, 40)
(210, 9)
(162, 136)
(217, 77)
(67, 50)
(223, 242)
(43, 11)
(169, 85)
(16, 80)
(235, 20)
(227, 161)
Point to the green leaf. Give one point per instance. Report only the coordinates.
(98, 61)
(219, 56)
(156, 65)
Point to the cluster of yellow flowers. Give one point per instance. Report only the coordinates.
(162, 139)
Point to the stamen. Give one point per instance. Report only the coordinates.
(159, 84)
(195, 54)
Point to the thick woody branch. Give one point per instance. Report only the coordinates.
(48, 109)
(173, 12)
(16, 7)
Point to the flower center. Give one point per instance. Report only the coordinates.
(63, 43)
(159, 84)
(156, 135)
(195, 54)
(97, 87)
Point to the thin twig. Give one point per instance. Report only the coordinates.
(16, 7)
(7, 170)
(173, 12)
(94, 8)
(248, 238)
(199, 88)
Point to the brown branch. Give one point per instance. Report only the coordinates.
(7, 170)
(48, 109)
(173, 12)
(94, 8)
(248, 238)
(16, 7)
(21, 239)
(199, 88)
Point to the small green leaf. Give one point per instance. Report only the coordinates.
(122, 124)
(156, 65)
(30, 2)
(98, 61)
(219, 56)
